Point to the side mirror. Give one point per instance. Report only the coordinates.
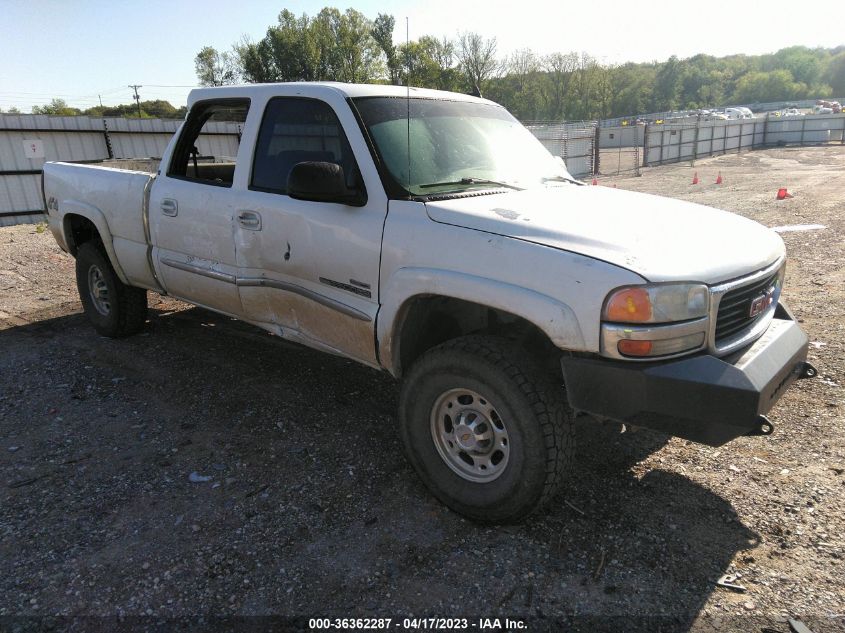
(322, 182)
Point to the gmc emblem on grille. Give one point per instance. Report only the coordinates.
(759, 304)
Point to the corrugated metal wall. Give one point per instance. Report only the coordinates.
(83, 139)
(671, 143)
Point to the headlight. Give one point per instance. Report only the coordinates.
(655, 320)
(658, 303)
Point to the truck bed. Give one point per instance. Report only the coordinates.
(115, 200)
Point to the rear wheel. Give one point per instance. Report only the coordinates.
(485, 429)
(114, 309)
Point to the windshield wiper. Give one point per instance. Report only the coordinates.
(562, 179)
(470, 181)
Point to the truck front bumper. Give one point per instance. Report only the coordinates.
(701, 398)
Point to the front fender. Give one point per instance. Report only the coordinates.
(554, 318)
(92, 213)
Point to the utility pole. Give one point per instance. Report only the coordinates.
(137, 98)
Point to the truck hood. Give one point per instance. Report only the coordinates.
(661, 239)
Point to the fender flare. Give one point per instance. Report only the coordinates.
(556, 319)
(98, 219)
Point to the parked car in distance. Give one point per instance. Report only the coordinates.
(827, 107)
(738, 113)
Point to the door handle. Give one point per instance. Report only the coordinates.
(169, 207)
(249, 220)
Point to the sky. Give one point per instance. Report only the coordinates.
(86, 50)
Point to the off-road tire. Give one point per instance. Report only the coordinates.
(127, 305)
(539, 423)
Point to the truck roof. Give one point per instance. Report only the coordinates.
(323, 89)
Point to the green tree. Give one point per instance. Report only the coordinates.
(478, 63)
(348, 50)
(56, 107)
(560, 71)
(632, 88)
(382, 33)
(667, 85)
(255, 61)
(347, 46)
(214, 68)
(521, 86)
(834, 75)
(442, 53)
(804, 64)
(429, 63)
(759, 87)
(332, 46)
(158, 109)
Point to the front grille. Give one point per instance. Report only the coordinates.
(735, 307)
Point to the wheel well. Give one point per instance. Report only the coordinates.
(78, 230)
(431, 320)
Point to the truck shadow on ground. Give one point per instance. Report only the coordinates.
(305, 503)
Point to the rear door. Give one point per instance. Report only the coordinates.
(311, 268)
(193, 206)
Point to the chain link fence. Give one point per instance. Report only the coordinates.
(620, 149)
(575, 142)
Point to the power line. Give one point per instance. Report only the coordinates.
(164, 86)
(59, 94)
(25, 100)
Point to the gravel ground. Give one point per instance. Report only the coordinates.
(206, 468)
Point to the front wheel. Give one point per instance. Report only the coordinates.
(486, 431)
(113, 308)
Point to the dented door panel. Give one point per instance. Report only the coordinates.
(194, 251)
(313, 269)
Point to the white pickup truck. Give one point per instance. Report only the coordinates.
(430, 235)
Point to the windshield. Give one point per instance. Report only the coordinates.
(456, 146)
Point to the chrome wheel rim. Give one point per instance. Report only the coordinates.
(98, 290)
(469, 435)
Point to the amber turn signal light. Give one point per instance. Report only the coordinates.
(632, 347)
(629, 305)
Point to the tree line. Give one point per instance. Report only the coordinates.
(347, 46)
(153, 109)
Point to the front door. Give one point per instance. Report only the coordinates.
(310, 268)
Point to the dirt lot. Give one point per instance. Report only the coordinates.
(312, 510)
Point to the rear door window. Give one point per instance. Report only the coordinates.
(208, 146)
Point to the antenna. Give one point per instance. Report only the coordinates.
(408, 94)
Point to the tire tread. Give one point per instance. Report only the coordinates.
(547, 400)
(130, 303)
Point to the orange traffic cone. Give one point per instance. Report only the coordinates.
(719, 179)
(783, 194)
(595, 180)
(695, 178)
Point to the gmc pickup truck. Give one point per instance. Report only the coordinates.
(430, 235)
